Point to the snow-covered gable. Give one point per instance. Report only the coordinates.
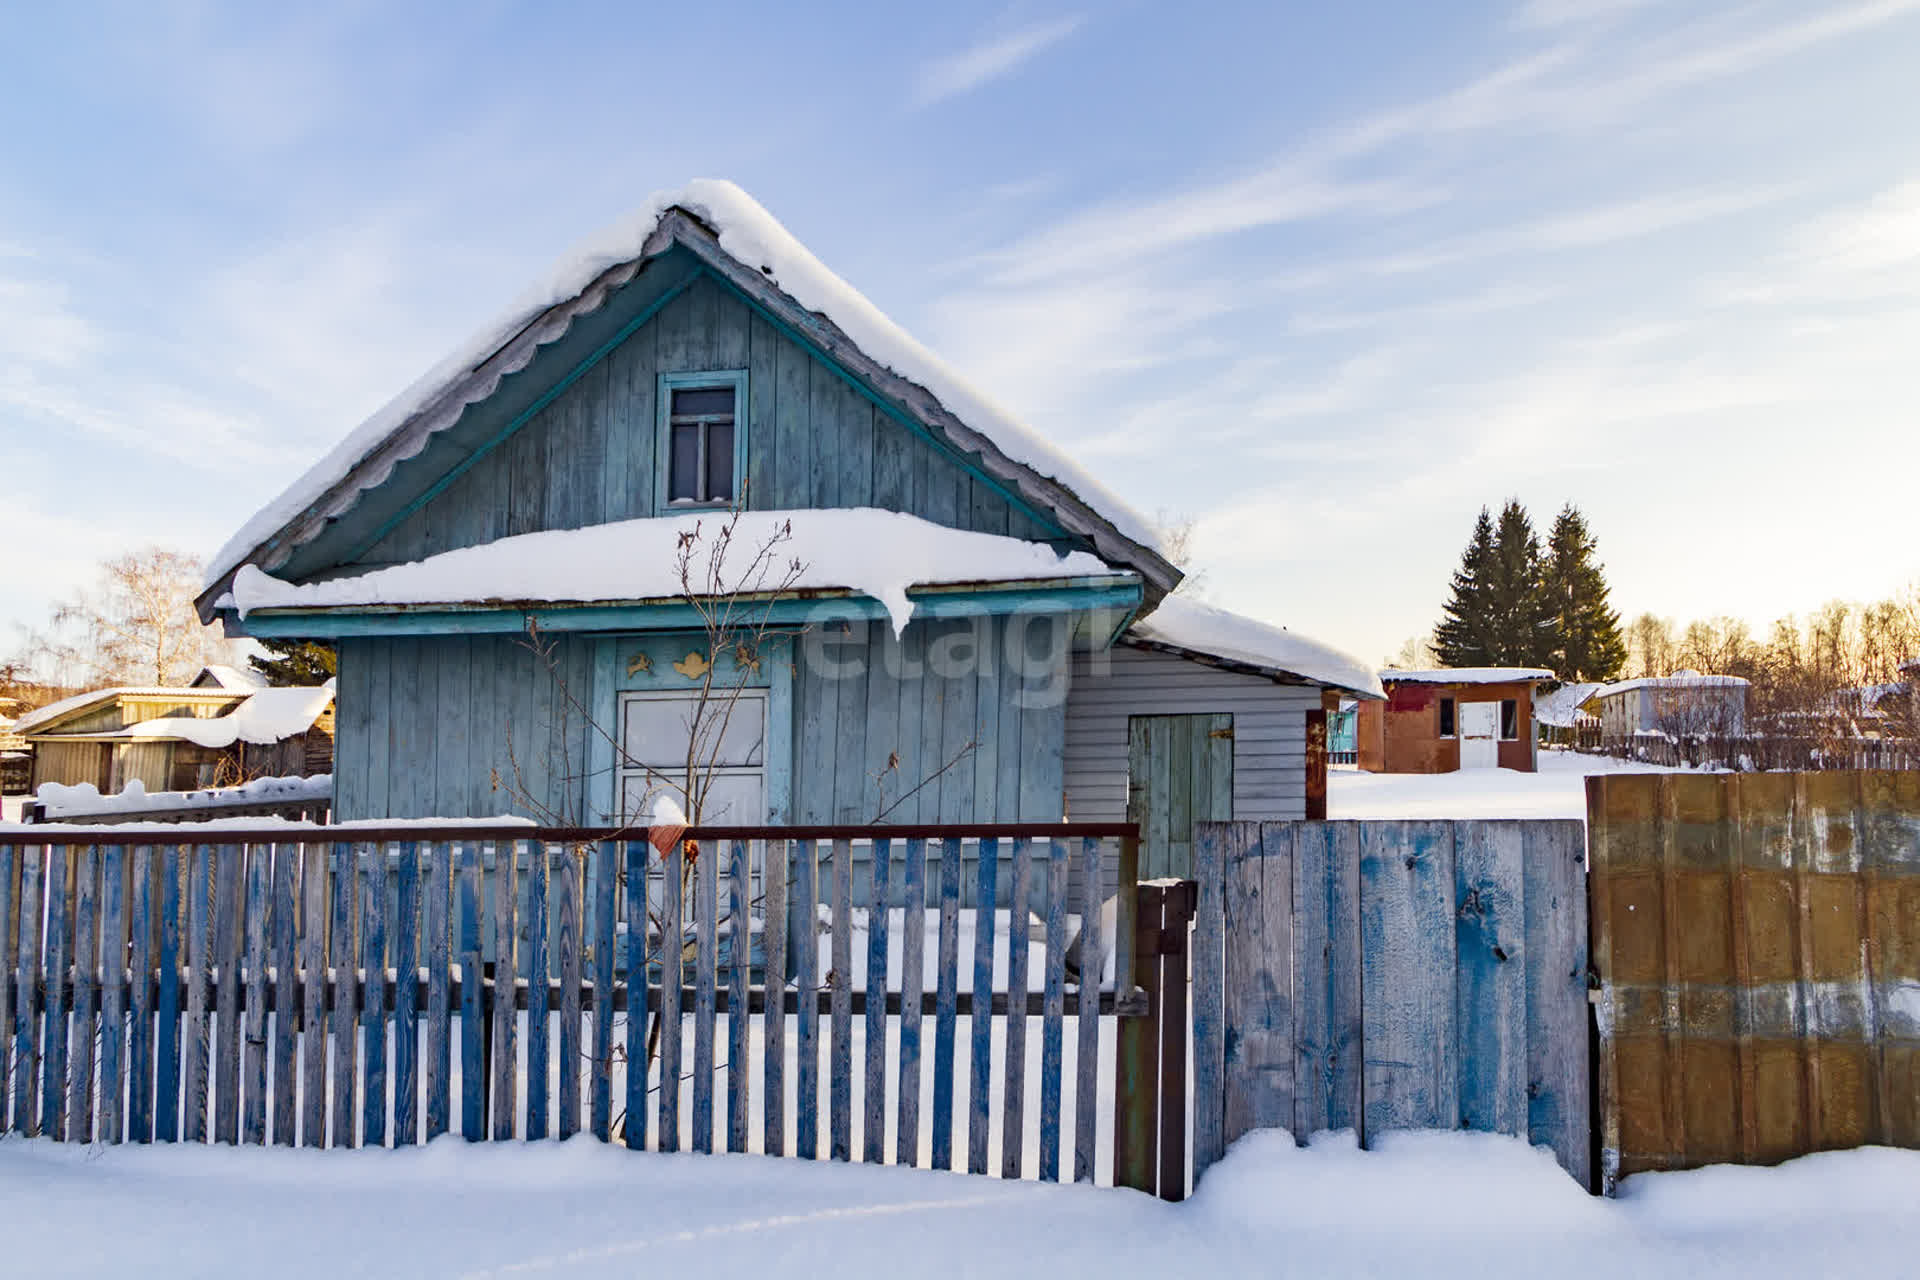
(1469, 675)
(218, 675)
(267, 716)
(1678, 680)
(1561, 708)
(46, 717)
(733, 233)
(877, 553)
(1189, 627)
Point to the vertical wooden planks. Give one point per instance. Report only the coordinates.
(86, 921)
(193, 1047)
(144, 925)
(740, 953)
(913, 943)
(1053, 1010)
(605, 880)
(1087, 1049)
(506, 1019)
(113, 994)
(1558, 1075)
(634, 1129)
(1013, 1115)
(473, 1024)
(253, 1110)
(773, 1035)
(26, 973)
(53, 1054)
(434, 912)
(1327, 1024)
(980, 1024)
(313, 964)
(286, 1010)
(566, 959)
(873, 1079)
(373, 1004)
(406, 997)
(842, 991)
(947, 978)
(228, 868)
(1407, 941)
(539, 994)
(806, 945)
(1212, 846)
(705, 978)
(672, 970)
(166, 1087)
(1258, 1062)
(11, 855)
(1490, 990)
(343, 961)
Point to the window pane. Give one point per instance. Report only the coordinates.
(720, 462)
(657, 729)
(683, 475)
(703, 400)
(1446, 717)
(734, 798)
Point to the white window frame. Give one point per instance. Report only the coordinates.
(675, 775)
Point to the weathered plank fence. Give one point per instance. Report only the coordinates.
(1392, 975)
(348, 986)
(1757, 938)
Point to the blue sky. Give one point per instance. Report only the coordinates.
(1324, 278)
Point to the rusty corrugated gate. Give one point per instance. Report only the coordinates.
(1757, 938)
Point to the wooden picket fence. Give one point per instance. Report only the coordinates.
(356, 986)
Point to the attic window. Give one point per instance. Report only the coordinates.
(702, 440)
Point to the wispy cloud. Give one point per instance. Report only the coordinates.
(972, 67)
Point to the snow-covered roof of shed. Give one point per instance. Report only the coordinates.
(219, 675)
(1678, 680)
(266, 716)
(1191, 627)
(1468, 675)
(1562, 707)
(749, 234)
(56, 711)
(878, 553)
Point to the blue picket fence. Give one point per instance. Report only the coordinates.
(335, 987)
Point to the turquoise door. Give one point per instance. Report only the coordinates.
(1179, 772)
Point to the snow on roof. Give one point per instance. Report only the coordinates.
(218, 675)
(265, 717)
(878, 553)
(1179, 623)
(66, 706)
(752, 236)
(1562, 706)
(1678, 680)
(1468, 675)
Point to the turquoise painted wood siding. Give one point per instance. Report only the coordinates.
(590, 456)
(428, 723)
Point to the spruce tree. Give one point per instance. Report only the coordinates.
(1517, 620)
(1586, 639)
(1464, 638)
(295, 662)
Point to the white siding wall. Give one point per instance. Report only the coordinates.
(1269, 729)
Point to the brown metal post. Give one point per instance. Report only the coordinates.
(1136, 1092)
(1316, 765)
(1180, 901)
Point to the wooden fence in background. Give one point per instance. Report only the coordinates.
(1757, 938)
(353, 986)
(1392, 975)
(1766, 752)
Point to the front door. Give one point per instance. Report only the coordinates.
(1479, 735)
(1179, 772)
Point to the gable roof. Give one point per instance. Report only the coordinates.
(1191, 629)
(734, 237)
(45, 718)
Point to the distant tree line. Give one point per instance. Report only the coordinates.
(1515, 603)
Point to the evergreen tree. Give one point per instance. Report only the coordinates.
(1517, 620)
(1464, 638)
(295, 662)
(1586, 640)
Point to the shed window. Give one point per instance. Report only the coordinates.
(1509, 719)
(700, 425)
(1446, 717)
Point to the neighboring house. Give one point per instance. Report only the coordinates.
(973, 628)
(1458, 718)
(219, 675)
(1684, 704)
(180, 739)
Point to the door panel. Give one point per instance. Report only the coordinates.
(1479, 735)
(1179, 772)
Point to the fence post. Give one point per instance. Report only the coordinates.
(1136, 1070)
(1178, 906)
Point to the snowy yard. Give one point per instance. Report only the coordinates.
(1432, 1204)
(1558, 790)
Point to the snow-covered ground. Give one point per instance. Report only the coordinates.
(1558, 790)
(1421, 1205)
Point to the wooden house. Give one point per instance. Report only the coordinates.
(1684, 704)
(955, 622)
(179, 739)
(1453, 718)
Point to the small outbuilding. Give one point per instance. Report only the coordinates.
(1453, 718)
(1684, 704)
